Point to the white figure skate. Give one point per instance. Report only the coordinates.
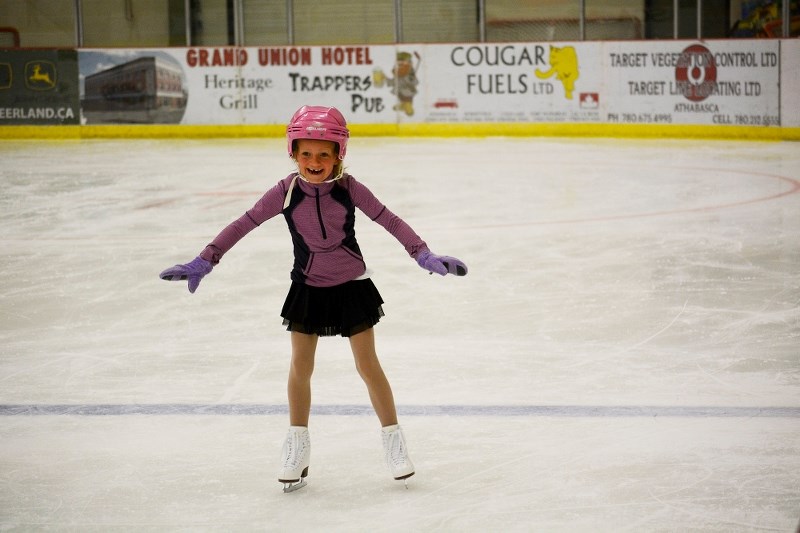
(394, 446)
(295, 458)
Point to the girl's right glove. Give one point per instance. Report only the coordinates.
(194, 272)
(441, 264)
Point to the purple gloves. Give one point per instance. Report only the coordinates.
(441, 264)
(194, 272)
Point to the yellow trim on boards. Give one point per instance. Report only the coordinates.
(489, 129)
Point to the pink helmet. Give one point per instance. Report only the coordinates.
(318, 122)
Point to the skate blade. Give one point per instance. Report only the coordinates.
(291, 487)
(404, 479)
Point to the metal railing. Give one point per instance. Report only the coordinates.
(236, 21)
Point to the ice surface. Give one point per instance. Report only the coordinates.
(624, 354)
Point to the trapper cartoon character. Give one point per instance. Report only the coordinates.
(404, 84)
(564, 65)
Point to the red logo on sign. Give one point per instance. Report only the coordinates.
(446, 103)
(696, 73)
(589, 100)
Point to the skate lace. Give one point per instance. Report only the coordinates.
(295, 449)
(396, 449)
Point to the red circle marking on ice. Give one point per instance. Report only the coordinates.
(794, 187)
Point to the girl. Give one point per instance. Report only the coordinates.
(331, 292)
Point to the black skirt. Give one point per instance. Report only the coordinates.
(345, 309)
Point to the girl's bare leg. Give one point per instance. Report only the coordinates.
(299, 388)
(369, 368)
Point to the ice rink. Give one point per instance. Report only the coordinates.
(624, 355)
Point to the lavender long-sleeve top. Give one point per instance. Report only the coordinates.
(321, 220)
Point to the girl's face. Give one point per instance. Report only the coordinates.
(316, 159)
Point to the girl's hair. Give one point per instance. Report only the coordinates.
(338, 171)
(335, 148)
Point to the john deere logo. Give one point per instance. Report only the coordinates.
(40, 75)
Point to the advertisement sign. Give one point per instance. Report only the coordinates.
(272, 83)
(641, 82)
(38, 87)
(715, 83)
(234, 85)
(516, 82)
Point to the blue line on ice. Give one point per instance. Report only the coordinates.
(235, 409)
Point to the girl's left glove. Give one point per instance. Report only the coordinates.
(441, 264)
(193, 271)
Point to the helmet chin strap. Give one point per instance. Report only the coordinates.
(288, 197)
